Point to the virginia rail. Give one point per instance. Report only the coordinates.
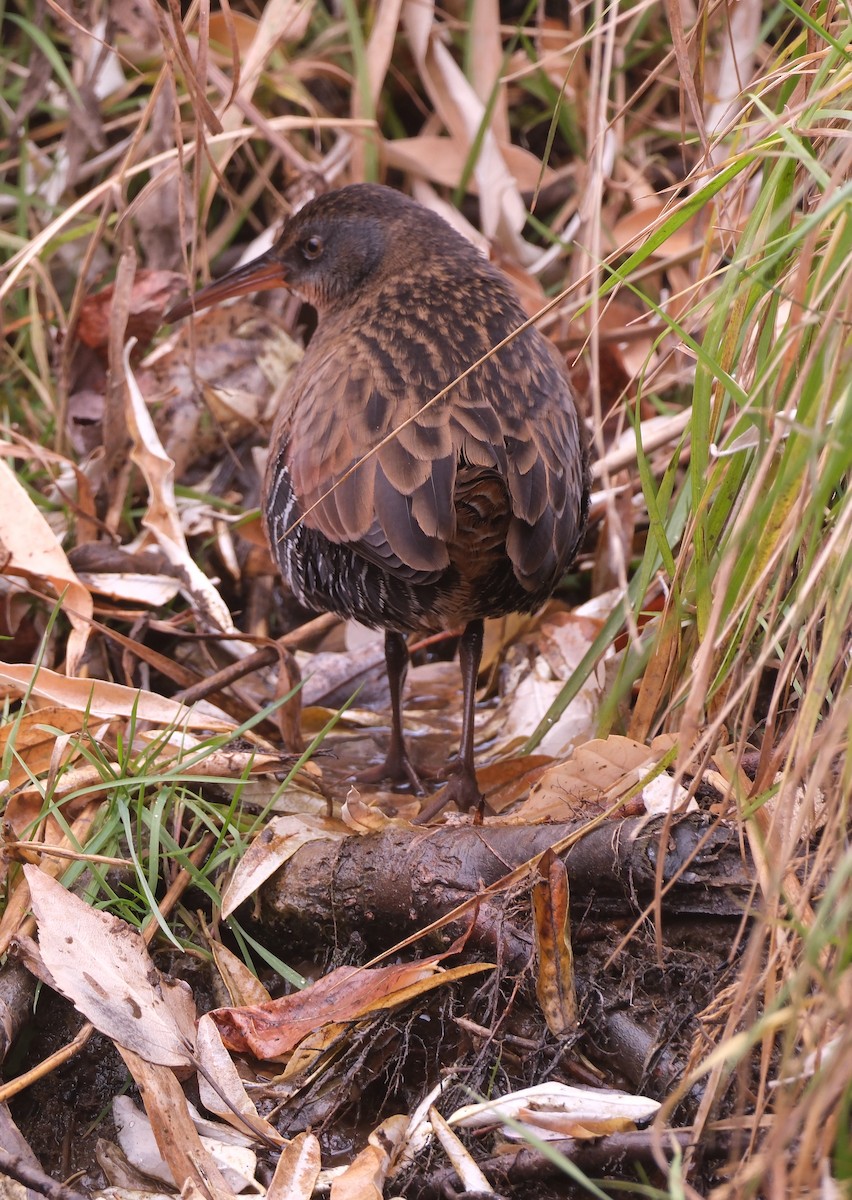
(410, 513)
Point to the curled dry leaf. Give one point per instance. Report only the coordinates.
(536, 1108)
(221, 1090)
(554, 984)
(162, 519)
(151, 295)
(272, 847)
(363, 818)
(465, 1167)
(99, 698)
(31, 549)
(243, 986)
(297, 1170)
(349, 993)
(365, 1178)
(33, 737)
(102, 965)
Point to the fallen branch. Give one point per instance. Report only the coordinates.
(385, 886)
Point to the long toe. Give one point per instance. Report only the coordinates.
(461, 789)
(397, 770)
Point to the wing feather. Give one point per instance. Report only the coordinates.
(513, 418)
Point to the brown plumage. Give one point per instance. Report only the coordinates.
(475, 504)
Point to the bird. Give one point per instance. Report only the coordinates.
(418, 480)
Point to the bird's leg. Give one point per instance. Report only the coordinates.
(397, 767)
(461, 788)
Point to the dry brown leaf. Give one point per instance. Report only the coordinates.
(346, 994)
(637, 226)
(162, 519)
(592, 779)
(243, 987)
(272, 847)
(25, 808)
(228, 1099)
(100, 698)
(364, 817)
(32, 550)
(554, 985)
(33, 737)
(502, 211)
(102, 965)
(442, 160)
(365, 1178)
(507, 780)
(297, 1170)
(152, 293)
(655, 688)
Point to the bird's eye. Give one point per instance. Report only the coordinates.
(312, 247)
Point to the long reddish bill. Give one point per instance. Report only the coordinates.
(261, 275)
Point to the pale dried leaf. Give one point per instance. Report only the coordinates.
(280, 21)
(102, 965)
(297, 1170)
(162, 519)
(460, 1157)
(33, 551)
(152, 591)
(580, 1105)
(100, 698)
(663, 795)
(272, 847)
(365, 1178)
(233, 1105)
(163, 1142)
(486, 65)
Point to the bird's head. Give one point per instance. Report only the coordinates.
(331, 249)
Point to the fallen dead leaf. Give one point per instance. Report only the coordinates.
(102, 965)
(161, 518)
(32, 550)
(554, 985)
(100, 698)
(365, 1177)
(592, 779)
(151, 295)
(273, 846)
(221, 1090)
(534, 1107)
(30, 741)
(271, 1030)
(297, 1170)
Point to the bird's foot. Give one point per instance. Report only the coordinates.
(460, 789)
(398, 770)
